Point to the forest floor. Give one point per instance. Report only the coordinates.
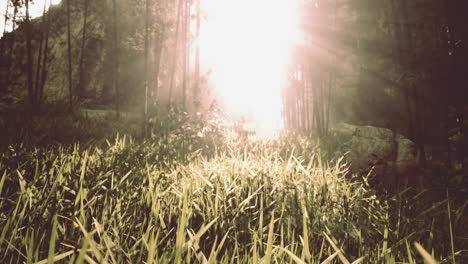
(192, 191)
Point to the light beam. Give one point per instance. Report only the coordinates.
(247, 45)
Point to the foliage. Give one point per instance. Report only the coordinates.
(160, 200)
(53, 124)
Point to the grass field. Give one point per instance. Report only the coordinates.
(190, 196)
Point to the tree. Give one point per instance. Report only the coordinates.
(160, 35)
(158, 49)
(43, 78)
(6, 21)
(175, 55)
(29, 65)
(42, 54)
(69, 52)
(9, 65)
(145, 68)
(313, 76)
(186, 55)
(115, 69)
(457, 57)
(4, 83)
(196, 85)
(80, 88)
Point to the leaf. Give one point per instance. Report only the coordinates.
(427, 257)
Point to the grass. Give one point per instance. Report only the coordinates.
(188, 197)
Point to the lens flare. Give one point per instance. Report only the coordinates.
(247, 45)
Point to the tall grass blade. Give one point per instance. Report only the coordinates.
(57, 257)
(427, 257)
(50, 258)
(337, 249)
(330, 258)
(291, 255)
(449, 213)
(2, 181)
(270, 238)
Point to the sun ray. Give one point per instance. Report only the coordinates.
(247, 45)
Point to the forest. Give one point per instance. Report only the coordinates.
(247, 131)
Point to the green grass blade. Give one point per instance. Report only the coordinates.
(337, 249)
(51, 255)
(270, 238)
(427, 257)
(57, 257)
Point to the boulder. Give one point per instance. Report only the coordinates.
(392, 157)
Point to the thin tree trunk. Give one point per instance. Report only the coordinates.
(5, 25)
(81, 89)
(196, 88)
(401, 60)
(29, 69)
(145, 69)
(44, 62)
(309, 99)
(175, 55)
(303, 99)
(334, 61)
(328, 102)
(412, 100)
(6, 16)
(39, 58)
(12, 48)
(4, 83)
(115, 70)
(321, 103)
(70, 84)
(451, 52)
(158, 47)
(186, 52)
(157, 59)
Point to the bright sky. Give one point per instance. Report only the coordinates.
(35, 10)
(248, 44)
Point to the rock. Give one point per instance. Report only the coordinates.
(393, 157)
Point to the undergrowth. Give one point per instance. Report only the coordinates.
(193, 193)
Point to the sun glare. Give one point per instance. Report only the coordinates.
(36, 9)
(247, 45)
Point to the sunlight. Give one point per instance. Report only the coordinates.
(247, 45)
(36, 9)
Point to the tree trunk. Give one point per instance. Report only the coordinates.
(185, 52)
(70, 84)
(174, 56)
(12, 47)
(115, 67)
(44, 62)
(29, 66)
(81, 86)
(4, 28)
(196, 88)
(454, 96)
(40, 52)
(413, 99)
(6, 17)
(145, 69)
(157, 59)
(328, 101)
